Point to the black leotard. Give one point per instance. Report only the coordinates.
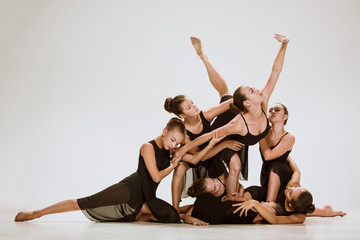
(123, 201)
(214, 166)
(259, 193)
(206, 128)
(210, 209)
(279, 165)
(250, 139)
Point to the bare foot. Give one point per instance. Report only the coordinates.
(24, 216)
(331, 213)
(196, 42)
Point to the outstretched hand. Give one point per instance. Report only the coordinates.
(329, 212)
(215, 139)
(234, 145)
(244, 207)
(199, 222)
(281, 38)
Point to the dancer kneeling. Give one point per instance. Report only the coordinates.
(123, 201)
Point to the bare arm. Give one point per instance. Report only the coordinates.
(230, 128)
(267, 215)
(211, 113)
(326, 211)
(295, 178)
(187, 218)
(276, 70)
(195, 158)
(148, 153)
(285, 145)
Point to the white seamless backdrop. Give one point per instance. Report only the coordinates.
(82, 86)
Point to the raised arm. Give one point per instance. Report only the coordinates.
(148, 153)
(211, 113)
(295, 178)
(285, 145)
(276, 69)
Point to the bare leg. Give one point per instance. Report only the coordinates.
(232, 180)
(64, 206)
(215, 78)
(273, 187)
(177, 184)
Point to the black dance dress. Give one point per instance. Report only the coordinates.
(210, 209)
(247, 139)
(121, 202)
(279, 165)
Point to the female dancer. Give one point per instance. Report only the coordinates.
(123, 201)
(198, 123)
(209, 209)
(275, 149)
(250, 124)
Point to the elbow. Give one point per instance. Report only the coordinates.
(156, 179)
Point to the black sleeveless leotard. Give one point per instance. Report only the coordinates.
(247, 139)
(206, 128)
(279, 165)
(250, 139)
(214, 166)
(210, 209)
(121, 202)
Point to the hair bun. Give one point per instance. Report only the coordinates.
(167, 104)
(310, 209)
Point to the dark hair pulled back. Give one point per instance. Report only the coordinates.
(304, 203)
(285, 111)
(176, 123)
(197, 188)
(237, 106)
(173, 105)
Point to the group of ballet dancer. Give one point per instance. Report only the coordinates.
(214, 144)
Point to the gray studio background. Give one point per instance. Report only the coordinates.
(82, 86)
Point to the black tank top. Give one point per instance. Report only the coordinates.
(206, 128)
(250, 139)
(282, 158)
(209, 208)
(162, 157)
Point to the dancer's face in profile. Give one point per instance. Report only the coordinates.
(213, 186)
(172, 139)
(292, 193)
(253, 95)
(189, 108)
(277, 113)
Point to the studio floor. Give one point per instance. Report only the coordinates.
(75, 226)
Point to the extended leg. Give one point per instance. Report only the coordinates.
(215, 78)
(64, 206)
